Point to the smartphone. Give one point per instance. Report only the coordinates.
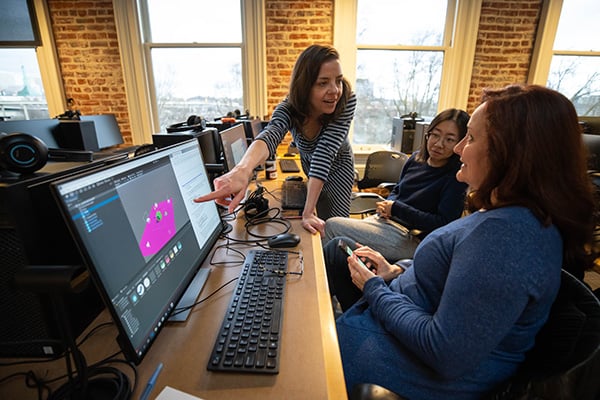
(346, 249)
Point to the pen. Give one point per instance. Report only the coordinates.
(151, 382)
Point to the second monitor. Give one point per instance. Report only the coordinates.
(234, 145)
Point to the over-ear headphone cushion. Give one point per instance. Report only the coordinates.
(194, 122)
(23, 153)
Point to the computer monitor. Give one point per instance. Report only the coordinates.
(108, 133)
(234, 145)
(256, 125)
(142, 236)
(592, 144)
(43, 129)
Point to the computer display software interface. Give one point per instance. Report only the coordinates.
(142, 235)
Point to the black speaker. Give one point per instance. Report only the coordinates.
(77, 135)
(193, 123)
(22, 153)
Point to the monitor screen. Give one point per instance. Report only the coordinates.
(142, 236)
(234, 145)
(256, 127)
(108, 133)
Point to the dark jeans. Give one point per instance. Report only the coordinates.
(338, 273)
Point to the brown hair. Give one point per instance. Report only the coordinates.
(304, 75)
(538, 161)
(460, 117)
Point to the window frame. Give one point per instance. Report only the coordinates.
(137, 69)
(459, 51)
(47, 60)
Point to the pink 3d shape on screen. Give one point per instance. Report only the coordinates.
(159, 229)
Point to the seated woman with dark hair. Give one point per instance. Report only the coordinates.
(459, 321)
(426, 197)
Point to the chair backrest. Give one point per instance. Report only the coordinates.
(565, 361)
(382, 166)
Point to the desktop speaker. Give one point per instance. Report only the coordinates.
(77, 135)
(193, 123)
(22, 153)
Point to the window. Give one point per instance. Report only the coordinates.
(30, 81)
(575, 65)
(196, 58)
(190, 57)
(567, 53)
(404, 57)
(21, 89)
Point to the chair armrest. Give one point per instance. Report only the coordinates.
(387, 185)
(367, 195)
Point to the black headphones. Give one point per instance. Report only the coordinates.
(194, 122)
(256, 205)
(22, 153)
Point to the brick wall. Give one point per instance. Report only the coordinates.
(505, 43)
(292, 26)
(88, 54)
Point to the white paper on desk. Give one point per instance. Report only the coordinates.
(168, 393)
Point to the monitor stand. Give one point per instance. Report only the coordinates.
(189, 297)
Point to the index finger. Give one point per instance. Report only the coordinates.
(217, 194)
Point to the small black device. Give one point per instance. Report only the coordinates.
(294, 178)
(346, 249)
(284, 240)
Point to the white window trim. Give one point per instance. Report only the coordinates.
(544, 42)
(142, 114)
(458, 60)
(48, 62)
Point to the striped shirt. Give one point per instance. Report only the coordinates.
(327, 157)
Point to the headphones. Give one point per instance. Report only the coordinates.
(256, 205)
(194, 122)
(22, 153)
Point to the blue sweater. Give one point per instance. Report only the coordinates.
(459, 321)
(425, 197)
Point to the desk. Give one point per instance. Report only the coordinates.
(310, 365)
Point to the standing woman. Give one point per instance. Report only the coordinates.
(317, 112)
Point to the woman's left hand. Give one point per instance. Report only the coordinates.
(313, 224)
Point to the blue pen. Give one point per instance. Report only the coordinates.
(151, 382)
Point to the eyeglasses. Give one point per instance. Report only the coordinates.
(447, 141)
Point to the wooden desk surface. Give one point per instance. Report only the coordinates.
(310, 365)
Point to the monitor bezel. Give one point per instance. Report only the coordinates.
(127, 347)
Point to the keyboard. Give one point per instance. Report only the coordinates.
(288, 165)
(249, 337)
(293, 195)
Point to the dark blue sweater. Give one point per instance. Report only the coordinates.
(425, 197)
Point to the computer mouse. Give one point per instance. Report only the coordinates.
(284, 240)
(294, 178)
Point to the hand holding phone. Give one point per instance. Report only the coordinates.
(346, 249)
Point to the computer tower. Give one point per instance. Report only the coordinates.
(419, 134)
(33, 232)
(397, 131)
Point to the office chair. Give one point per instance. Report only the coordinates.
(382, 171)
(563, 364)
